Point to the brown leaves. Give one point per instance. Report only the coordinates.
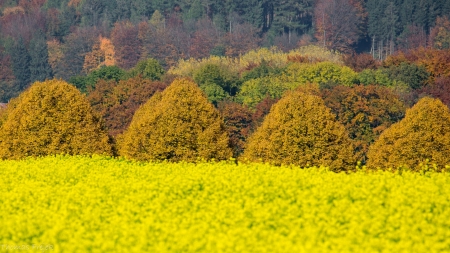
(435, 61)
(125, 39)
(360, 62)
(338, 23)
(117, 102)
(365, 111)
(238, 121)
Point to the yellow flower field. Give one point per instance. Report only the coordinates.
(99, 204)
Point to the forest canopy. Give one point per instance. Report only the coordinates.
(41, 39)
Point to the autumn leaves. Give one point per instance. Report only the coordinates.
(180, 124)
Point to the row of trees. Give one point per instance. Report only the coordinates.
(365, 110)
(179, 124)
(244, 99)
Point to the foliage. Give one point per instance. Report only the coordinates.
(40, 68)
(255, 90)
(277, 58)
(414, 76)
(214, 92)
(178, 124)
(238, 121)
(378, 77)
(107, 73)
(218, 50)
(424, 134)
(440, 89)
(337, 23)
(148, 69)
(51, 117)
(241, 39)
(323, 73)
(3, 113)
(388, 20)
(196, 28)
(217, 82)
(436, 62)
(124, 37)
(204, 39)
(20, 62)
(273, 56)
(76, 45)
(261, 110)
(102, 54)
(8, 87)
(165, 40)
(55, 57)
(360, 62)
(290, 16)
(262, 70)
(401, 74)
(440, 34)
(301, 130)
(117, 102)
(121, 205)
(382, 77)
(365, 112)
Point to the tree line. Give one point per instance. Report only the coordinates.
(180, 124)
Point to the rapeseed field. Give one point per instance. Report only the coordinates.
(101, 204)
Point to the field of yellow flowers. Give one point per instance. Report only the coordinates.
(100, 204)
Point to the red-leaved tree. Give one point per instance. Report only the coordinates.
(124, 37)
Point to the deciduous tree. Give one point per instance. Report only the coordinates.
(301, 130)
(440, 34)
(337, 24)
(178, 124)
(365, 112)
(52, 117)
(238, 121)
(424, 134)
(117, 102)
(124, 37)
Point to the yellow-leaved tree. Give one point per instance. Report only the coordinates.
(51, 117)
(424, 134)
(178, 124)
(301, 130)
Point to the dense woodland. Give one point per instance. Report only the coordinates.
(42, 39)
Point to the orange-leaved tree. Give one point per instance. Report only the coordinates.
(102, 54)
(301, 130)
(424, 134)
(52, 117)
(178, 124)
